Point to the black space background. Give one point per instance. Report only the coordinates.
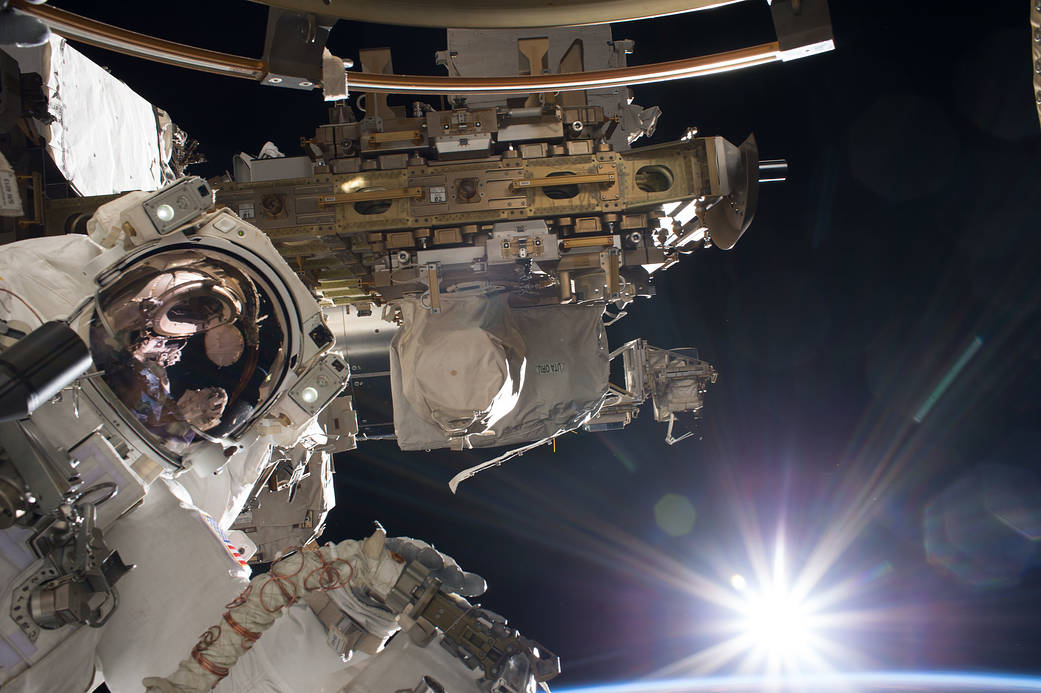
(908, 227)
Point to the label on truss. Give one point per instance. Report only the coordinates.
(10, 199)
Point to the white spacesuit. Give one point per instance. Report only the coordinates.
(147, 373)
(341, 603)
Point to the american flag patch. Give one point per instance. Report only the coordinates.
(235, 554)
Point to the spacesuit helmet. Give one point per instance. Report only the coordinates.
(192, 341)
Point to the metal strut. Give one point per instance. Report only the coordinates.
(79, 28)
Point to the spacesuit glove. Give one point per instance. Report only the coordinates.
(374, 569)
(378, 561)
(441, 566)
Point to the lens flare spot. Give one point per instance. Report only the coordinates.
(675, 515)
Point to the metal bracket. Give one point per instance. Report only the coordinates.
(293, 48)
(477, 637)
(609, 263)
(569, 179)
(803, 27)
(435, 289)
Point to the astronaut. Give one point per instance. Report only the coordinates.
(147, 374)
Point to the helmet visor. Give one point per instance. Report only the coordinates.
(192, 341)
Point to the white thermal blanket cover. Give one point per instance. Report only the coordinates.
(461, 369)
(566, 378)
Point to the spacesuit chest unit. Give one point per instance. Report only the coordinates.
(205, 353)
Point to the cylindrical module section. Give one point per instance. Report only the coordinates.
(38, 366)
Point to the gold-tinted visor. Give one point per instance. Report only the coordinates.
(192, 342)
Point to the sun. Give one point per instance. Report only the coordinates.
(777, 624)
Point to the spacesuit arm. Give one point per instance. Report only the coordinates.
(365, 591)
(366, 566)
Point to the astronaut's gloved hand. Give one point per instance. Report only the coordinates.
(203, 408)
(380, 580)
(444, 568)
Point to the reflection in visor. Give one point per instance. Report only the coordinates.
(193, 307)
(192, 343)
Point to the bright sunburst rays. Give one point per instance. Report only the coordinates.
(777, 620)
(774, 630)
(778, 625)
(749, 639)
